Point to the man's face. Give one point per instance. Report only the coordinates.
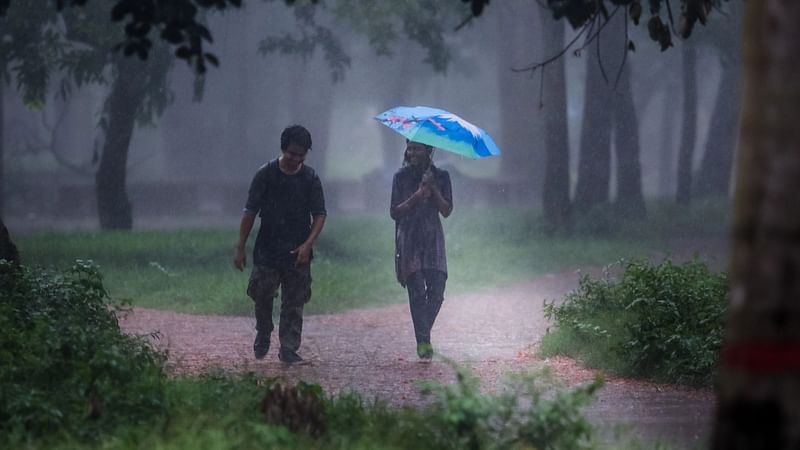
(417, 153)
(293, 156)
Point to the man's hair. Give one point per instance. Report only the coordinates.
(295, 134)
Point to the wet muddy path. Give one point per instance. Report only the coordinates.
(371, 352)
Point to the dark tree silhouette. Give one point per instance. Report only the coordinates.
(555, 192)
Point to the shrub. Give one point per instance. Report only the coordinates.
(661, 321)
(64, 364)
(533, 411)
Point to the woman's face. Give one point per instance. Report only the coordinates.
(418, 155)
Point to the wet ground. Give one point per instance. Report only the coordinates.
(371, 352)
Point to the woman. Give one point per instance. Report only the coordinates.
(420, 192)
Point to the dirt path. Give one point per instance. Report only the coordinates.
(371, 351)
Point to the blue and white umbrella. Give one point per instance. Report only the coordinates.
(440, 129)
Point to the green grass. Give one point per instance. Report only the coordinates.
(189, 270)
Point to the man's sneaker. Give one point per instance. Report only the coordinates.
(261, 344)
(289, 357)
(425, 351)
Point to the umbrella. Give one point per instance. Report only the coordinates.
(440, 129)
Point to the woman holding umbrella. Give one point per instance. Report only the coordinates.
(420, 193)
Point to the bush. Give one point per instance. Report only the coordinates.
(531, 412)
(659, 321)
(64, 364)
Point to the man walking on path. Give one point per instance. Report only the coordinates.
(288, 196)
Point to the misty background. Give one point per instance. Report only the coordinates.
(194, 162)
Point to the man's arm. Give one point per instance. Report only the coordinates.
(303, 252)
(240, 256)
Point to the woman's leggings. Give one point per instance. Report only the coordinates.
(425, 296)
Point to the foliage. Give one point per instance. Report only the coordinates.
(423, 22)
(661, 321)
(312, 35)
(581, 13)
(529, 413)
(177, 22)
(65, 366)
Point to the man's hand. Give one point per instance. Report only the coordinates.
(303, 254)
(240, 259)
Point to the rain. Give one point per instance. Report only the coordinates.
(247, 216)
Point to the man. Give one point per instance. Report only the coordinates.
(288, 196)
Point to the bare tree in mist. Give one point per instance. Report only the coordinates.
(713, 177)
(689, 123)
(630, 200)
(555, 191)
(594, 158)
(27, 56)
(517, 36)
(609, 111)
(2, 146)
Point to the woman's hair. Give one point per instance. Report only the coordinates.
(405, 152)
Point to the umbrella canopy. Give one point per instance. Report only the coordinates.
(440, 129)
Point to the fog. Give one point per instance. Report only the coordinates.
(194, 162)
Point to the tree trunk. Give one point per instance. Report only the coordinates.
(594, 161)
(2, 148)
(555, 192)
(519, 133)
(759, 385)
(127, 94)
(398, 86)
(689, 128)
(714, 176)
(312, 106)
(666, 146)
(629, 201)
(8, 250)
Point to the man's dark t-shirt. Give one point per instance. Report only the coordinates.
(286, 204)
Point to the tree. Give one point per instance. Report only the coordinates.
(138, 93)
(28, 45)
(41, 43)
(759, 388)
(594, 159)
(689, 126)
(519, 127)
(713, 177)
(555, 191)
(178, 21)
(8, 250)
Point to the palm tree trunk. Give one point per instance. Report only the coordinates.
(759, 386)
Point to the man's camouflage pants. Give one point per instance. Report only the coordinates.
(295, 287)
